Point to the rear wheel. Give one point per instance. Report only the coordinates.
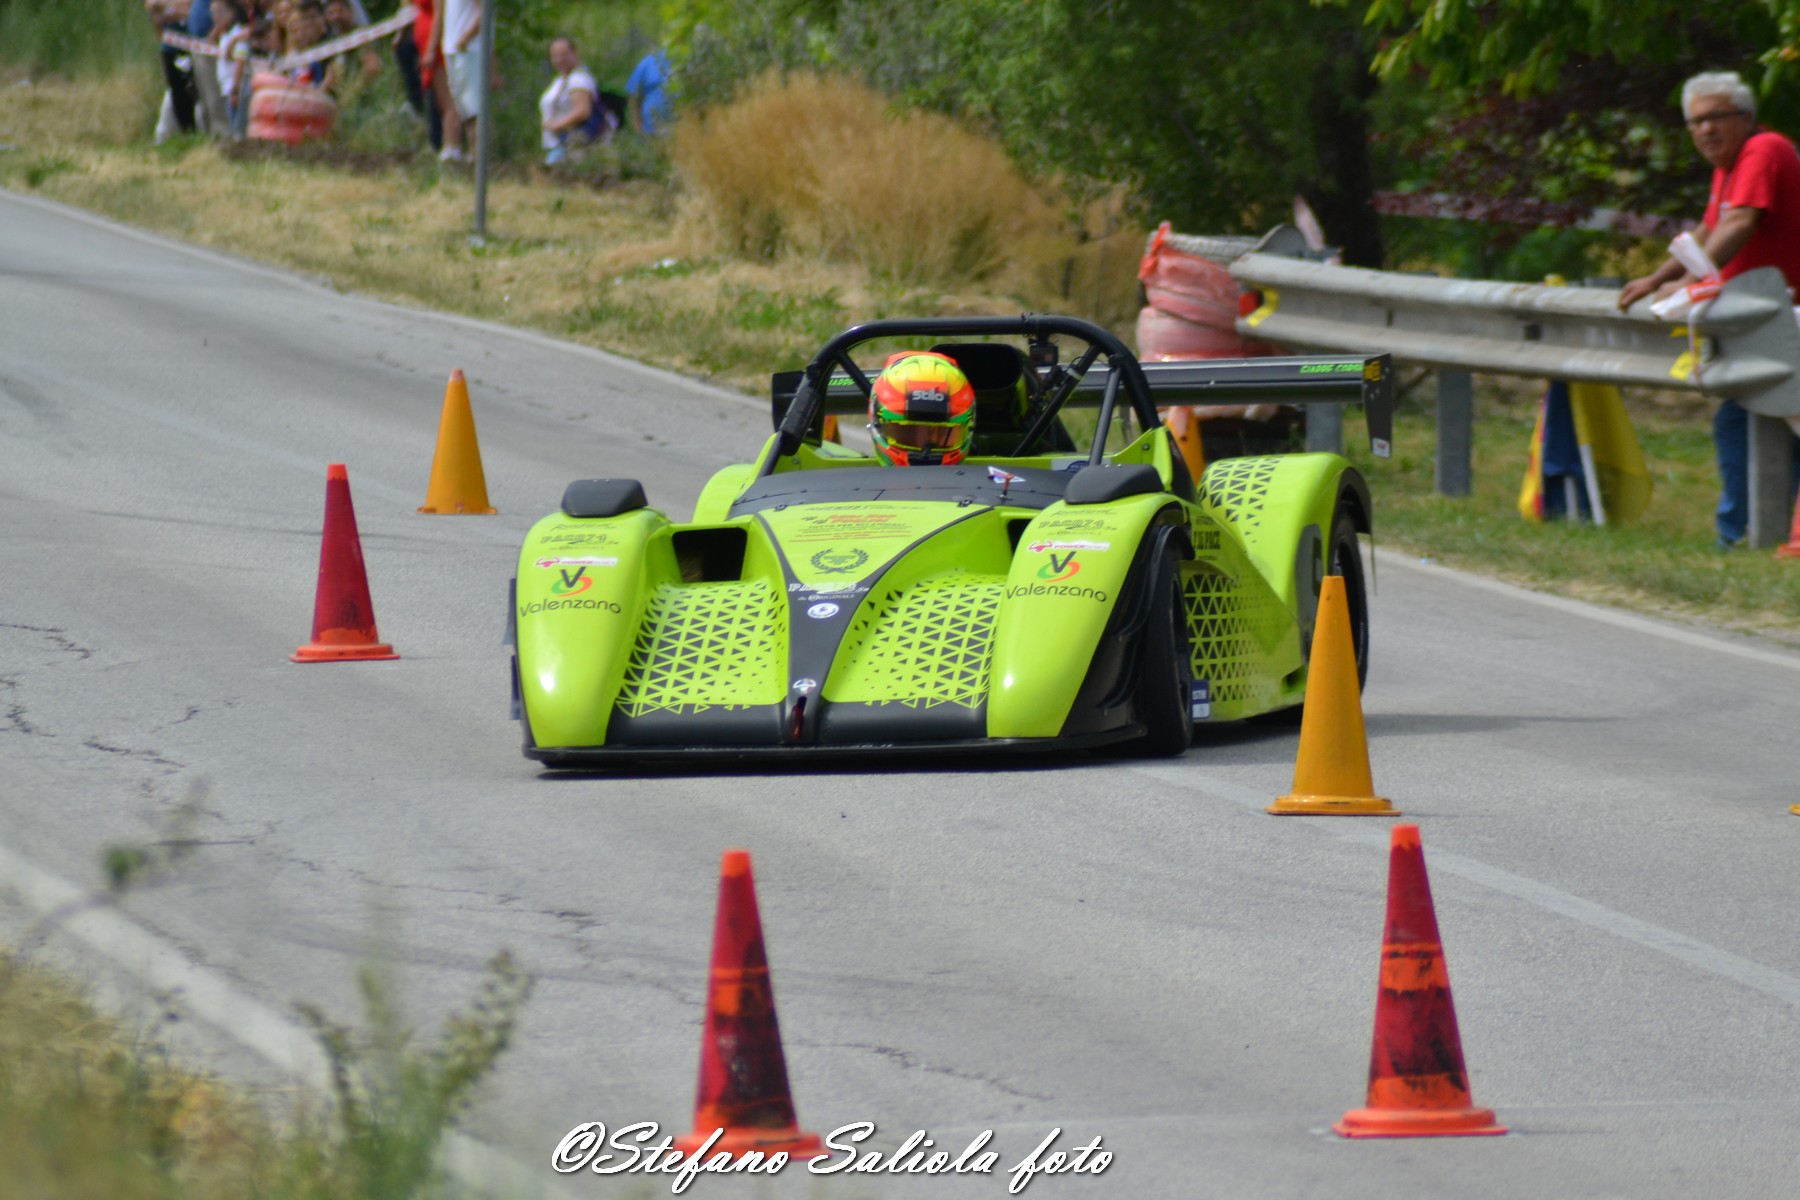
(1346, 559)
(1165, 664)
(1343, 557)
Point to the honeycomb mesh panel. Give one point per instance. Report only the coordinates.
(1234, 627)
(707, 645)
(928, 643)
(1240, 488)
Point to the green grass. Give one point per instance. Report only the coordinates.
(1664, 562)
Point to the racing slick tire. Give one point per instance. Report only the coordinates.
(1165, 686)
(1345, 558)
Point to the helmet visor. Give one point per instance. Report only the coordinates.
(911, 436)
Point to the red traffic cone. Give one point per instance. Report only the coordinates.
(343, 614)
(743, 1093)
(1418, 1086)
(1792, 548)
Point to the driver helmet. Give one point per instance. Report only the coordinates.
(921, 410)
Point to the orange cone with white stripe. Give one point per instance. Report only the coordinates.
(1418, 1086)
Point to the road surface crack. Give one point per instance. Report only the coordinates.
(58, 638)
(12, 719)
(94, 743)
(908, 1061)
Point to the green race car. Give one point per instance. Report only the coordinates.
(1034, 595)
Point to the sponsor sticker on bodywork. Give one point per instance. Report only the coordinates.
(1200, 707)
(577, 562)
(1040, 547)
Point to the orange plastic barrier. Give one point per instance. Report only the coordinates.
(284, 111)
(1193, 307)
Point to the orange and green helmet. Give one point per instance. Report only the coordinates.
(921, 410)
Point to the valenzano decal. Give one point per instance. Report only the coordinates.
(1059, 569)
(1100, 595)
(588, 603)
(571, 585)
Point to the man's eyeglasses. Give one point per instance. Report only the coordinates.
(1712, 118)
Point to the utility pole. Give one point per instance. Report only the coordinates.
(484, 124)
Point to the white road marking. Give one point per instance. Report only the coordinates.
(1694, 953)
(1594, 612)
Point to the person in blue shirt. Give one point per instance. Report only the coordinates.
(648, 89)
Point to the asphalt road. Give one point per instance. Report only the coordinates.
(1123, 949)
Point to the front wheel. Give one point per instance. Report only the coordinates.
(1165, 689)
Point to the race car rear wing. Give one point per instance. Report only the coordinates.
(1313, 379)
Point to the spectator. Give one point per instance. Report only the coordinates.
(460, 30)
(178, 102)
(572, 113)
(284, 13)
(1752, 220)
(233, 72)
(341, 20)
(209, 110)
(413, 54)
(648, 89)
(306, 30)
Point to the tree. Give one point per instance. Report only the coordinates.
(1571, 100)
(1214, 113)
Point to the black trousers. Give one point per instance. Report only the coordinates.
(406, 57)
(181, 85)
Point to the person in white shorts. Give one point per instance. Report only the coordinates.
(459, 22)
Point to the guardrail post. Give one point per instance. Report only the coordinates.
(1325, 428)
(1455, 432)
(1771, 481)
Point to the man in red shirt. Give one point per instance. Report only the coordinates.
(1752, 220)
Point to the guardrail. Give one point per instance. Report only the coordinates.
(1745, 346)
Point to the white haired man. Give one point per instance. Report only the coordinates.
(1752, 220)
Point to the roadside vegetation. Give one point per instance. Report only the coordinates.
(91, 1108)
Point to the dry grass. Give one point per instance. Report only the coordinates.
(86, 1112)
(824, 168)
(630, 268)
(59, 114)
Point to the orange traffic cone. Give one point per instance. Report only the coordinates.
(343, 615)
(1418, 1086)
(1331, 774)
(457, 484)
(742, 1102)
(1184, 427)
(1792, 549)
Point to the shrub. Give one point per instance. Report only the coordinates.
(824, 167)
